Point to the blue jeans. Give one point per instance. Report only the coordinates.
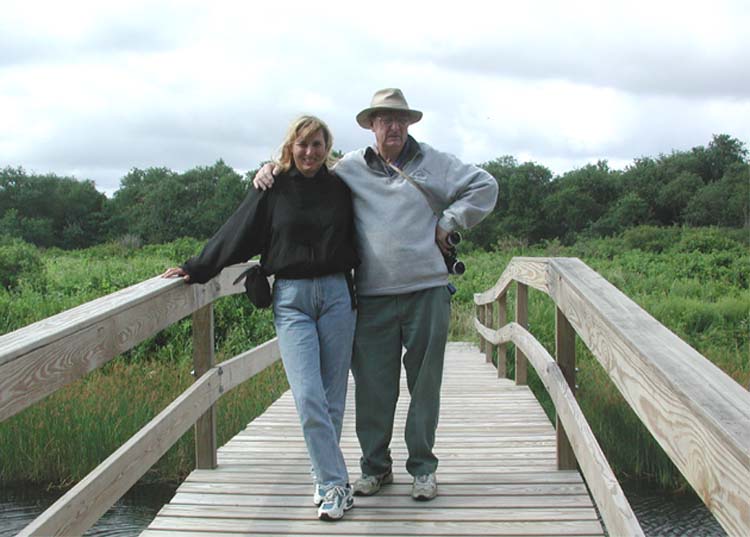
(315, 324)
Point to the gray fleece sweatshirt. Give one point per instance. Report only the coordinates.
(394, 224)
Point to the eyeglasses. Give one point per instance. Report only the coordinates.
(389, 120)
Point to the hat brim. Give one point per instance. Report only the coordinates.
(363, 118)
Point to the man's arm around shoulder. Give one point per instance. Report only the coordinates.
(264, 177)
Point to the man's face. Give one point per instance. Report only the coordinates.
(391, 130)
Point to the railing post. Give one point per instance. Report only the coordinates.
(565, 351)
(488, 347)
(203, 360)
(480, 316)
(502, 320)
(522, 318)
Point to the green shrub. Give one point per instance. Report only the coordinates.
(708, 240)
(650, 238)
(178, 251)
(20, 263)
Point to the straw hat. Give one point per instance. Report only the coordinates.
(387, 99)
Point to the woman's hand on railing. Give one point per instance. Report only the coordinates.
(176, 271)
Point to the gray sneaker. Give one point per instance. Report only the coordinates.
(367, 485)
(424, 487)
(337, 500)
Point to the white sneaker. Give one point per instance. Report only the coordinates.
(424, 487)
(318, 494)
(337, 500)
(367, 485)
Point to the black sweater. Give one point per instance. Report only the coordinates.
(302, 228)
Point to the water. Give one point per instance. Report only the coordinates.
(659, 515)
(676, 515)
(129, 516)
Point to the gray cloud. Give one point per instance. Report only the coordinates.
(161, 84)
(26, 37)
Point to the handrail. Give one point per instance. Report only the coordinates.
(699, 415)
(40, 358)
(613, 505)
(43, 357)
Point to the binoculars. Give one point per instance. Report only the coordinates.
(455, 266)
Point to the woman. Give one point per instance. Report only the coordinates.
(303, 231)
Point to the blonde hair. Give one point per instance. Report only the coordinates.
(305, 127)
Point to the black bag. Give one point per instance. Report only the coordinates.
(256, 286)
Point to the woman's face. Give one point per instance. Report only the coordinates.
(309, 153)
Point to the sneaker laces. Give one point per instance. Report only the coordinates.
(424, 482)
(335, 491)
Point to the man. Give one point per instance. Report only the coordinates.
(407, 198)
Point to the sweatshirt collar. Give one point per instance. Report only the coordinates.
(408, 152)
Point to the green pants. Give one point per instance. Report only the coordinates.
(417, 322)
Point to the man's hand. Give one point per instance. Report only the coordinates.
(263, 180)
(441, 238)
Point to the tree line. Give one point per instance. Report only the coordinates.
(704, 186)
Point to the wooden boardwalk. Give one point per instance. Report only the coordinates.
(497, 473)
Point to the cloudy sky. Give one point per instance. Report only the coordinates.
(93, 89)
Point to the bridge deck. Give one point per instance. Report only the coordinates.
(497, 473)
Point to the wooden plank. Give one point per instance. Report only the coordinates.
(221, 475)
(409, 513)
(463, 467)
(298, 451)
(377, 527)
(450, 486)
(393, 497)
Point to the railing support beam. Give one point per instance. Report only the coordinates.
(565, 351)
(203, 360)
(502, 320)
(488, 317)
(522, 318)
(480, 316)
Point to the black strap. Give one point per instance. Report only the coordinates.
(350, 286)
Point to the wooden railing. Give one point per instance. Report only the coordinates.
(41, 358)
(697, 413)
